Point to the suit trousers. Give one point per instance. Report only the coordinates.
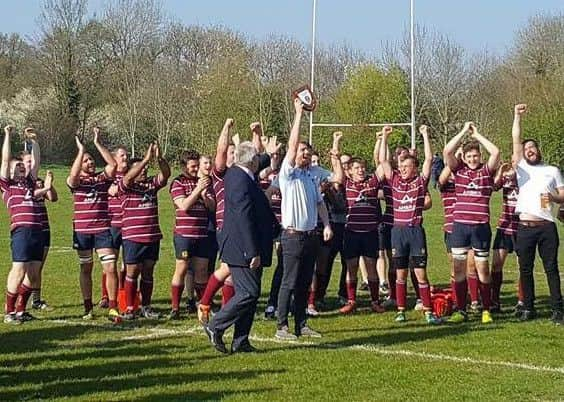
(240, 310)
(299, 250)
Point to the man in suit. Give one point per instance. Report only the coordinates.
(246, 246)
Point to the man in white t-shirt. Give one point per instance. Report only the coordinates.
(540, 186)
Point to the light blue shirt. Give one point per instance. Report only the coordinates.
(300, 195)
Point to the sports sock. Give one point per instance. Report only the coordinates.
(425, 290)
(23, 296)
(227, 292)
(11, 299)
(374, 287)
(104, 288)
(497, 279)
(130, 292)
(461, 288)
(351, 291)
(485, 293)
(401, 294)
(212, 287)
(473, 285)
(175, 295)
(146, 291)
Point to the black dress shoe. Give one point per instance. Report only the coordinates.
(244, 348)
(527, 315)
(557, 317)
(216, 339)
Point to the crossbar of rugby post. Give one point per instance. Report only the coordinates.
(360, 124)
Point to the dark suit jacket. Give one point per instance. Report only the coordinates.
(249, 224)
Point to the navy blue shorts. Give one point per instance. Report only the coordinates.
(447, 239)
(360, 244)
(83, 241)
(188, 247)
(409, 241)
(46, 235)
(384, 237)
(503, 241)
(26, 244)
(117, 241)
(477, 237)
(137, 253)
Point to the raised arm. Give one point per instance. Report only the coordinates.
(385, 168)
(30, 135)
(498, 182)
(6, 153)
(222, 146)
(137, 168)
(164, 167)
(111, 164)
(519, 111)
(185, 203)
(444, 176)
(449, 153)
(493, 150)
(74, 176)
(294, 139)
(428, 152)
(335, 153)
(377, 145)
(257, 137)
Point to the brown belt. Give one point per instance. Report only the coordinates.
(292, 231)
(534, 224)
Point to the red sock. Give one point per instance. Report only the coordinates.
(88, 306)
(112, 303)
(392, 276)
(121, 278)
(146, 292)
(175, 295)
(461, 288)
(473, 288)
(485, 292)
(212, 287)
(227, 293)
(104, 288)
(401, 294)
(11, 302)
(520, 295)
(351, 291)
(311, 297)
(24, 293)
(415, 283)
(497, 279)
(374, 290)
(130, 292)
(425, 290)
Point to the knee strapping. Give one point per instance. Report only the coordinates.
(106, 258)
(481, 255)
(418, 261)
(85, 260)
(459, 254)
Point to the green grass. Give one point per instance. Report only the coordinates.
(360, 357)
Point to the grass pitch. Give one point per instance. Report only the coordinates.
(360, 357)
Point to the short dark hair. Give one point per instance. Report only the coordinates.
(315, 153)
(190, 155)
(307, 144)
(413, 158)
(358, 160)
(471, 146)
(530, 140)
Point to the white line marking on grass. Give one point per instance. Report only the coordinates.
(157, 333)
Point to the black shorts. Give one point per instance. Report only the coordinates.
(360, 244)
(188, 247)
(26, 244)
(504, 241)
(409, 241)
(83, 241)
(477, 237)
(137, 253)
(384, 237)
(117, 241)
(212, 245)
(447, 239)
(46, 238)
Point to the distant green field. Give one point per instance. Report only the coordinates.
(360, 357)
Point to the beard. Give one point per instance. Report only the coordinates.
(537, 161)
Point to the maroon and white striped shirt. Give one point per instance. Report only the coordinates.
(388, 217)
(91, 203)
(448, 197)
(140, 206)
(363, 206)
(193, 222)
(276, 198)
(473, 191)
(409, 199)
(218, 185)
(508, 220)
(114, 204)
(22, 206)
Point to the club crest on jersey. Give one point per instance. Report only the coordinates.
(147, 199)
(406, 203)
(91, 196)
(472, 189)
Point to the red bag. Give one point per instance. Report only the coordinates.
(442, 301)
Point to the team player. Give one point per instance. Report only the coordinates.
(504, 242)
(114, 210)
(471, 229)
(91, 222)
(193, 200)
(361, 228)
(140, 228)
(26, 230)
(409, 243)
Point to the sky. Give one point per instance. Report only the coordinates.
(364, 24)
